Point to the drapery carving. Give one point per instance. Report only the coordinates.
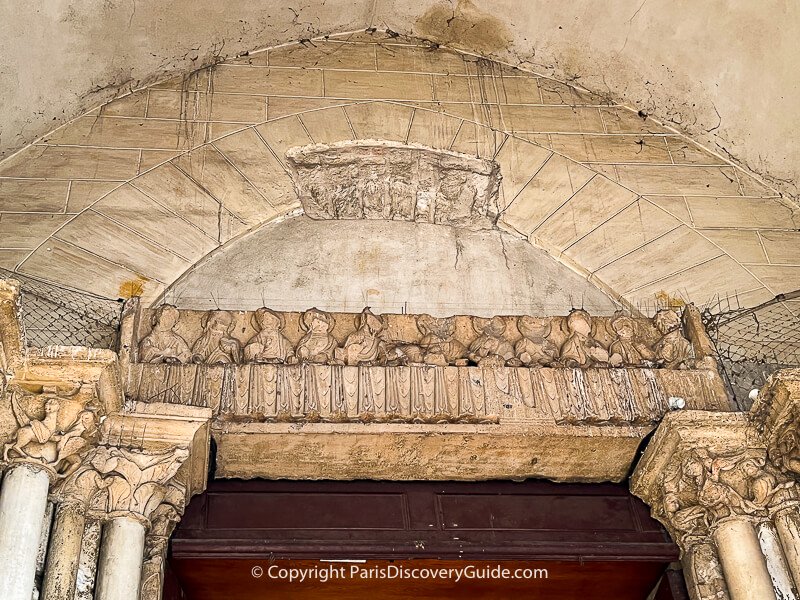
(320, 366)
(388, 180)
(316, 336)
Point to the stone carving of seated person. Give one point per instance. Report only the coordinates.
(364, 346)
(269, 345)
(162, 344)
(580, 349)
(215, 345)
(490, 349)
(437, 343)
(534, 349)
(672, 350)
(626, 350)
(318, 344)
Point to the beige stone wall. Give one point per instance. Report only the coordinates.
(133, 194)
(725, 72)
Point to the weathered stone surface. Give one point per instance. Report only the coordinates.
(385, 180)
(406, 452)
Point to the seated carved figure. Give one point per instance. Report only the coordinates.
(490, 349)
(534, 349)
(625, 350)
(438, 345)
(672, 350)
(364, 346)
(317, 345)
(216, 346)
(269, 345)
(580, 349)
(162, 344)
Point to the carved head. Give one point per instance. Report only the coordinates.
(267, 320)
(440, 328)
(579, 321)
(533, 328)
(220, 321)
(317, 321)
(666, 320)
(52, 405)
(369, 321)
(623, 327)
(494, 327)
(165, 317)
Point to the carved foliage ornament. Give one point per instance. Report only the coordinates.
(576, 341)
(701, 488)
(387, 180)
(128, 480)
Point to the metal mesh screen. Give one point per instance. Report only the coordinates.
(55, 315)
(755, 342)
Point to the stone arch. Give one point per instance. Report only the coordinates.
(134, 193)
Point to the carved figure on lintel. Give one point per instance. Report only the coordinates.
(490, 349)
(455, 199)
(580, 349)
(269, 345)
(364, 346)
(162, 344)
(534, 349)
(318, 344)
(438, 344)
(626, 350)
(401, 195)
(672, 350)
(216, 345)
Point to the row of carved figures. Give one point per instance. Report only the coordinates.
(369, 345)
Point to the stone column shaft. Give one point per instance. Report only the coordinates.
(23, 502)
(782, 579)
(64, 552)
(121, 554)
(743, 563)
(787, 525)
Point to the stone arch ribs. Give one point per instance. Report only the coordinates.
(144, 187)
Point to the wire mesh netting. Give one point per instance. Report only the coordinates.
(753, 343)
(55, 315)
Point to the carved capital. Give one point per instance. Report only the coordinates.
(776, 415)
(702, 468)
(53, 428)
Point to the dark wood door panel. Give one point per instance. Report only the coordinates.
(399, 520)
(221, 579)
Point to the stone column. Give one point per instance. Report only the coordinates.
(743, 564)
(64, 551)
(121, 555)
(708, 479)
(23, 502)
(787, 524)
(778, 568)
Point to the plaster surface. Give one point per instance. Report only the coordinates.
(391, 266)
(723, 72)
